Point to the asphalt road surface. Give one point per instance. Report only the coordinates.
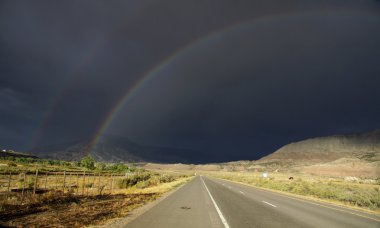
(209, 202)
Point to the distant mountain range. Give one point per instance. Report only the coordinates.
(365, 146)
(111, 148)
(11, 153)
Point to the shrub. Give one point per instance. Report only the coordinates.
(166, 179)
(88, 162)
(143, 184)
(118, 168)
(100, 166)
(133, 180)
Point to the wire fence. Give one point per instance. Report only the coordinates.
(16, 186)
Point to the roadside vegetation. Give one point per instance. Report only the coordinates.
(363, 195)
(36, 192)
(21, 164)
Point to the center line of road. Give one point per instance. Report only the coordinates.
(269, 204)
(242, 192)
(224, 221)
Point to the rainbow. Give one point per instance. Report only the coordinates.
(169, 60)
(154, 71)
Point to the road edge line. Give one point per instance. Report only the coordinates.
(224, 221)
(310, 201)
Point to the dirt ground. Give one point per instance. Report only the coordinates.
(71, 211)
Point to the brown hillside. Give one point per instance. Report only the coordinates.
(364, 146)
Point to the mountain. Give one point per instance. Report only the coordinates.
(111, 148)
(364, 146)
(11, 153)
(345, 156)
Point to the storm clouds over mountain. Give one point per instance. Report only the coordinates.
(231, 80)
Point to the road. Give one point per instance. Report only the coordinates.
(209, 202)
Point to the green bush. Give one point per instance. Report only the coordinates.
(118, 168)
(88, 162)
(133, 180)
(100, 166)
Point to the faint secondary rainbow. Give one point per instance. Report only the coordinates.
(72, 79)
(156, 69)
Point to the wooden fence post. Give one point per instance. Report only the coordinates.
(23, 188)
(88, 183)
(84, 182)
(68, 182)
(94, 184)
(35, 183)
(99, 184)
(64, 181)
(9, 182)
(77, 183)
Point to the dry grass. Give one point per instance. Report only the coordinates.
(55, 181)
(72, 211)
(69, 210)
(162, 188)
(345, 167)
(361, 195)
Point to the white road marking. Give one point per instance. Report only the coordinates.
(242, 192)
(332, 207)
(269, 204)
(224, 221)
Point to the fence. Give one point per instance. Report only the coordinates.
(18, 185)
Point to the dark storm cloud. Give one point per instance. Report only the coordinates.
(63, 65)
(258, 87)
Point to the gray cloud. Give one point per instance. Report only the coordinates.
(63, 65)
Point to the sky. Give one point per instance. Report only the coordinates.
(230, 80)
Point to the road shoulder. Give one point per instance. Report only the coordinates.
(122, 222)
(340, 207)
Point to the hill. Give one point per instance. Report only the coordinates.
(364, 146)
(339, 155)
(112, 148)
(11, 153)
